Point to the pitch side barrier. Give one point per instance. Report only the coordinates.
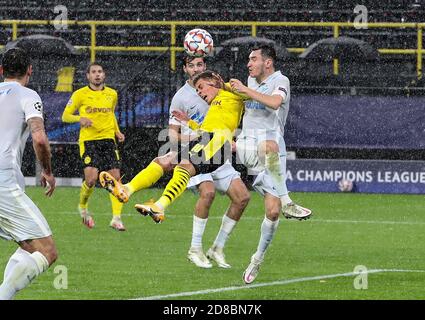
(314, 121)
(366, 176)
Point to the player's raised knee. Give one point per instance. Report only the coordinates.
(166, 162)
(53, 255)
(271, 146)
(50, 252)
(90, 182)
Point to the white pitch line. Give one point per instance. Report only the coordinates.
(214, 217)
(367, 221)
(268, 284)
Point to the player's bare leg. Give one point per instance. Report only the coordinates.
(239, 196)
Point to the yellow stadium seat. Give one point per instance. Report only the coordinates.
(65, 79)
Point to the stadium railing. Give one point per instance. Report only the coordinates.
(178, 27)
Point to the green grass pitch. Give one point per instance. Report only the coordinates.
(310, 259)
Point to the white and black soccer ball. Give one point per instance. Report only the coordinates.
(345, 185)
(198, 43)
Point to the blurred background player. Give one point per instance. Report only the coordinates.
(96, 104)
(20, 219)
(225, 179)
(261, 146)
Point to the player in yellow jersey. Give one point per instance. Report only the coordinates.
(225, 179)
(213, 146)
(99, 131)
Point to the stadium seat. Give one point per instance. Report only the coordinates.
(65, 79)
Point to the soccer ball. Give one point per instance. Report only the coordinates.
(198, 43)
(345, 185)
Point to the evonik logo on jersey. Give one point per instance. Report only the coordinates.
(216, 103)
(95, 110)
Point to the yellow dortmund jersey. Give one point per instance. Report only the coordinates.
(99, 107)
(225, 113)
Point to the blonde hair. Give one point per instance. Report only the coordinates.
(210, 75)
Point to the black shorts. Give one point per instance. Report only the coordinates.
(200, 153)
(100, 154)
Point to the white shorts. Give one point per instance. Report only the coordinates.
(222, 178)
(20, 219)
(247, 154)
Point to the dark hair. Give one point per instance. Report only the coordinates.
(91, 64)
(15, 63)
(209, 75)
(267, 52)
(185, 58)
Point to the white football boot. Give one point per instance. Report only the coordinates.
(197, 256)
(251, 272)
(217, 255)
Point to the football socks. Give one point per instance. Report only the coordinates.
(85, 193)
(175, 187)
(145, 178)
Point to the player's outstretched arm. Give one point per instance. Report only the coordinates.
(41, 147)
(71, 107)
(184, 119)
(69, 117)
(180, 116)
(272, 101)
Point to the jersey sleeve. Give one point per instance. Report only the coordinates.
(32, 106)
(72, 106)
(115, 101)
(114, 108)
(282, 88)
(176, 104)
(192, 124)
(228, 87)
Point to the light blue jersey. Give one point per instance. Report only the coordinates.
(17, 104)
(258, 117)
(187, 100)
(20, 219)
(262, 123)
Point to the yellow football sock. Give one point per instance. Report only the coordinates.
(145, 178)
(175, 187)
(85, 193)
(116, 206)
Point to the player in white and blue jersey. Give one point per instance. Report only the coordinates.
(261, 146)
(20, 219)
